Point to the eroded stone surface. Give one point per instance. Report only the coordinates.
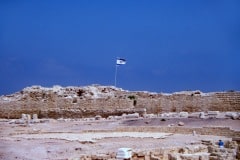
(89, 101)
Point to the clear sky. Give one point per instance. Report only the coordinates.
(169, 45)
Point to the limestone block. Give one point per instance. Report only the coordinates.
(144, 110)
(161, 115)
(194, 133)
(213, 113)
(12, 121)
(221, 116)
(183, 114)
(193, 157)
(110, 117)
(118, 117)
(165, 115)
(202, 115)
(124, 115)
(233, 115)
(172, 156)
(134, 115)
(197, 148)
(208, 143)
(211, 157)
(141, 111)
(194, 115)
(228, 114)
(98, 117)
(24, 117)
(149, 116)
(231, 144)
(173, 114)
(20, 121)
(152, 157)
(181, 124)
(28, 117)
(35, 116)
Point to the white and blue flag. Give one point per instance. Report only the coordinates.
(121, 61)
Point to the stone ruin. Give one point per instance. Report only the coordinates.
(94, 103)
(89, 101)
(27, 119)
(206, 150)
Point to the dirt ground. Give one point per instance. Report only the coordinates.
(66, 139)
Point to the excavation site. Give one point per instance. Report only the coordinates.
(108, 123)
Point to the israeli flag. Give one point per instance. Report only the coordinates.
(121, 61)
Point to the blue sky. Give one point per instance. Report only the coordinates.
(169, 45)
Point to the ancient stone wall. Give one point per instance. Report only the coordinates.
(78, 102)
(224, 101)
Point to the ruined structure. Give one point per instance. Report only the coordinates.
(79, 102)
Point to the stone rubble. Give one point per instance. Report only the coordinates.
(183, 114)
(205, 151)
(93, 104)
(180, 123)
(89, 101)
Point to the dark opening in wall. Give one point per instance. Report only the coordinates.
(80, 92)
(134, 102)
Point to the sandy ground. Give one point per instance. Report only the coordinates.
(66, 139)
(188, 122)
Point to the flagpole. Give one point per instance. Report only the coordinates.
(120, 61)
(115, 82)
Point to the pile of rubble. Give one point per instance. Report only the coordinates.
(27, 118)
(202, 115)
(207, 150)
(87, 101)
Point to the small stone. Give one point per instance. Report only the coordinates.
(202, 115)
(24, 117)
(98, 117)
(133, 115)
(194, 133)
(147, 122)
(35, 116)
(12, 121)
(20, 121)
(235, 116)
(180, 124)
(170, 125)
(183, 114)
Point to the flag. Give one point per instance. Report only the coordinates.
(121, 61)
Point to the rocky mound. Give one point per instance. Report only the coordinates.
(88, 101)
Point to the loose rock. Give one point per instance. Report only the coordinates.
(180, 124)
